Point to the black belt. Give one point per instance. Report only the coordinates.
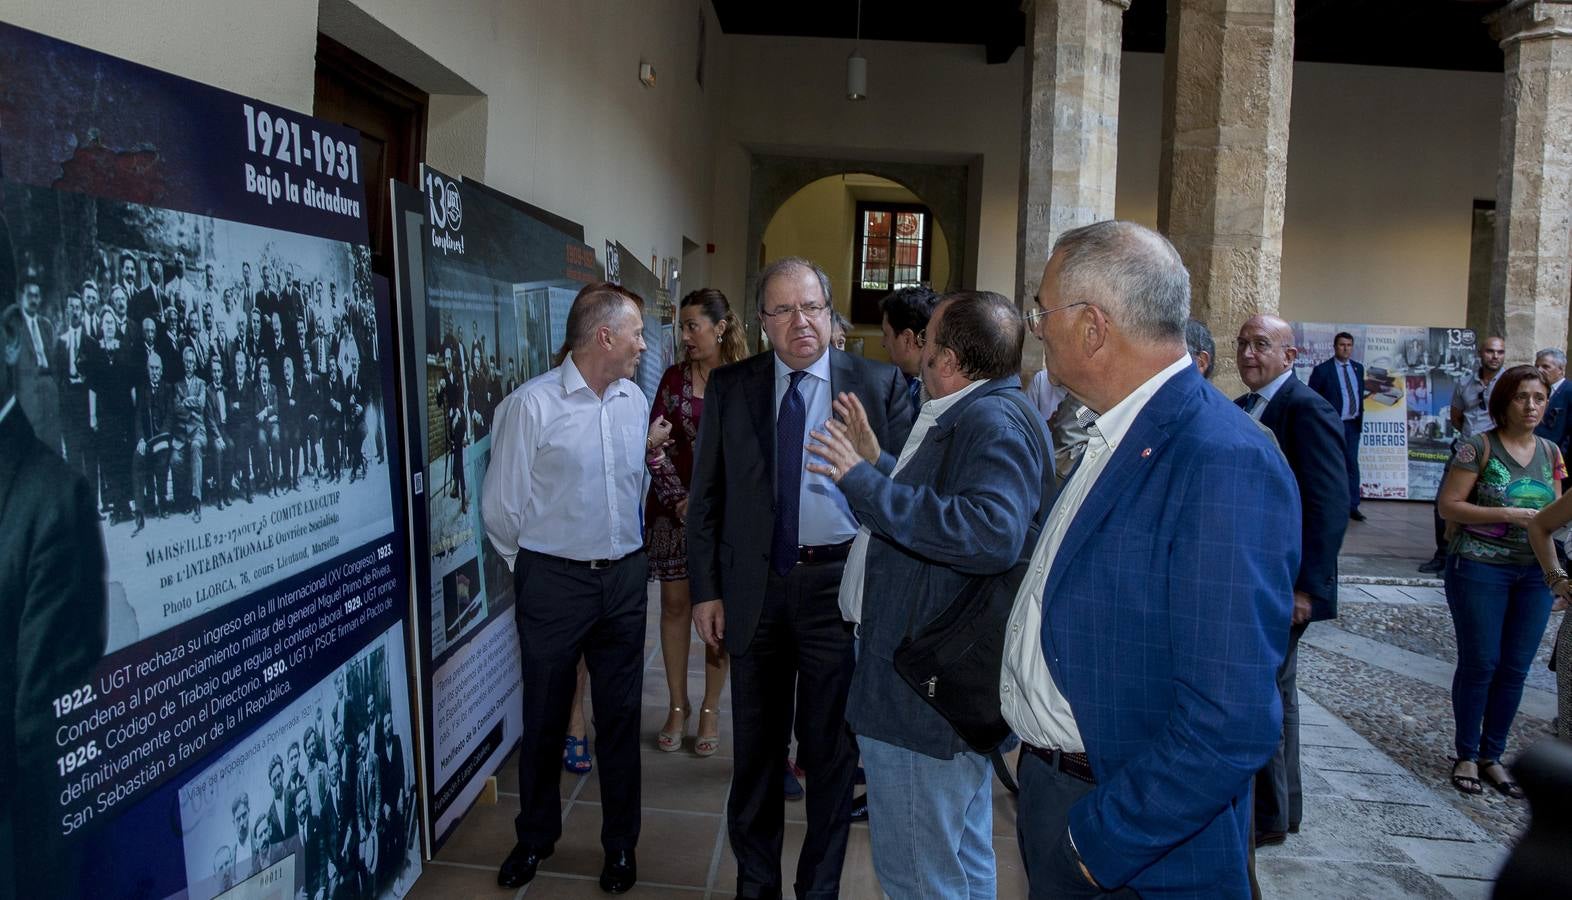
(823, 553)
(593, 565)
(1075, 765)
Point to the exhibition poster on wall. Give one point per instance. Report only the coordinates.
(660, 333)
(1411, 373)
(498, 282)
(211, 357)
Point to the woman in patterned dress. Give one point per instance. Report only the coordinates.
(711, 336)
(1498, 597)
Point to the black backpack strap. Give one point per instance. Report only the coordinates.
(1002, 769)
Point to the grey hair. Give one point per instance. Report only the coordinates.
(1559, 357)
(1131, 271)
(786, 263)
(1198, 340)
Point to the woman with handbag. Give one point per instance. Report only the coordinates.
(1496, 484)
(711, 336)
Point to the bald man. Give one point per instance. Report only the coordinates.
(1311, 436)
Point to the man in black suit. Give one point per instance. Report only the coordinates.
(52, 627)
(770, 592)
(148, 303)
(34, 384)
(1341, 381)
(1556, 426)
(109, 377)
(150, 464)
(1309, 435)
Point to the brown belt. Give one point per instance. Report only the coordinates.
(1075, 765)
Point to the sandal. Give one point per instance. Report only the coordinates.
(1466, 784)
(1504, 784)
(707, 744)
(576, 756)
(668, 741)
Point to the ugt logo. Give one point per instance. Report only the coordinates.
(447, 210)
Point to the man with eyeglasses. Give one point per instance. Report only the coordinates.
(1140, 661)
(767, 542)
(1311, 437)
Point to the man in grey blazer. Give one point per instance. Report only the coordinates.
(766, 545)
(957, 504)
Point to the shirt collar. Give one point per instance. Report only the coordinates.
(1557, 386)
(573, 380)
(1276, 384)
(6, 410)
(933, 409)
(820, 368)
(1114, 424)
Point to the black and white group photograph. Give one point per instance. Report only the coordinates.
(217, 384)
(325, 795)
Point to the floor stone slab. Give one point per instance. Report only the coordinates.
(1305, 879)
(1454, 858)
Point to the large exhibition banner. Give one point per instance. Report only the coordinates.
(211, 356)
(660, 333)
(1410, 375)
(497, 283)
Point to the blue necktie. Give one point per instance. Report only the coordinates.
(789, 425)
(914, 388)
(1351, 405)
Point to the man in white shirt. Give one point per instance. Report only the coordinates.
(561, 504)
(1140, 663)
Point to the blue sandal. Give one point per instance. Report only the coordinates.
(576, 756)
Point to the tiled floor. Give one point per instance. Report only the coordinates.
(1402, 528)
(683, 850)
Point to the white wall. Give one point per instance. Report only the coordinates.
(567, 125)
(1384, 165)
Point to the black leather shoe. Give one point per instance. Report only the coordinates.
(1357, 516)
(860, 808)
(619, 873)
(519, 868)
(1269, 838)
(1433, 565)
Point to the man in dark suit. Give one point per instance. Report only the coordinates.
(958, 504)
(35, 385)
(150, 464)
(1140, 664)
(1341, 381)
(1556, 426)
(191, 430)
(1310, 436)
(52, 627)
(70, 369)
(110, 378)
(312, 874)
(148, 303)
(769, 592)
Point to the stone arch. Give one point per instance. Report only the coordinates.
(775, 179)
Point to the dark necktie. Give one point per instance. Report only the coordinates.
(1352, 403)
(789, 425)
(914, 387)
(1252, 400)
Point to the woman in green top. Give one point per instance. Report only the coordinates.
(1500, 605)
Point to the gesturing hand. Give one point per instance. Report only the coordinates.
(659, 433)
(850, 410)
(836, 449)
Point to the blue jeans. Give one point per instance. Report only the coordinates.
(930, 822)
(1499, 613)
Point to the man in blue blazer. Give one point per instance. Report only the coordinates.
(1341, 381)
(956, 505)
(1308, 432)
(1140, 669)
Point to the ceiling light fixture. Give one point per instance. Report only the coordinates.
(857, 66)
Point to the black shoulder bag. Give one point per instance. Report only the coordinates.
(953, 661)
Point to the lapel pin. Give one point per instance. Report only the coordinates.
(1147, 452)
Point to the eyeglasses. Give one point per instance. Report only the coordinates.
(1259, 345)
(808, 310)
(1037, 315)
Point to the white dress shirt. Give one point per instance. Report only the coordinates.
(567, 473)
(823, 517)
(1031, 702)
(856, 569)
(1268, 392)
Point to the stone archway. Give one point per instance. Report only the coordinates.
(774, 179)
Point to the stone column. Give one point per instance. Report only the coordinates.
(1069, 131)
(1229, 71)
(1529, 278)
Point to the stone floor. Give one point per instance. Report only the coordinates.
(1380, 818)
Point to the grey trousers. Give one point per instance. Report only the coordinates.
(1279, 798)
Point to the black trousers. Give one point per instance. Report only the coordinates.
(1279, 798)
(802, 649)
(1351, 432)
(1042, 826)
(564, 610)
